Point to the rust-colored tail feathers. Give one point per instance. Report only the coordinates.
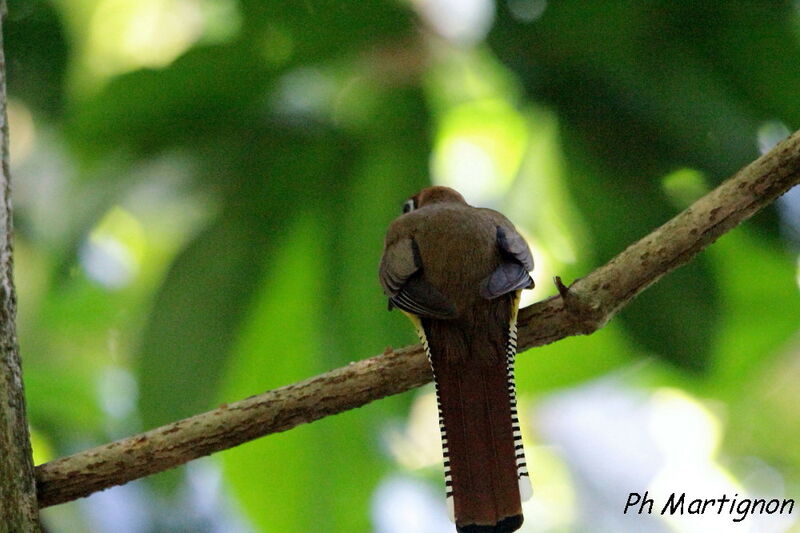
(486, 477)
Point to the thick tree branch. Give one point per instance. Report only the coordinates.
(18, 509)
(581, 309)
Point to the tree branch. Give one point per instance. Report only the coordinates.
(580, 309)
(18, 509)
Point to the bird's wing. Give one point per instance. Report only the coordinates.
(513, 245)
(512, 273)
(401, 275)
(399, 262)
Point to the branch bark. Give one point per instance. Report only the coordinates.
(18, 508)
(578, 310)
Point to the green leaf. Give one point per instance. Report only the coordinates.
(193, 322)
(277, 478)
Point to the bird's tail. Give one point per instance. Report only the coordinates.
(486, 477)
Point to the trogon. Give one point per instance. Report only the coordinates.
(457, 272)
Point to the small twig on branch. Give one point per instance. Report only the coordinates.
(580, 309)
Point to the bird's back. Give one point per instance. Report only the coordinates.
(449, 237)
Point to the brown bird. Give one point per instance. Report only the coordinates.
(457, 271)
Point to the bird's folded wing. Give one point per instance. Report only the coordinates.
(403, 282)
(514, 246)
(512, 274)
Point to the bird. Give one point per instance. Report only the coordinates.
(457, 272)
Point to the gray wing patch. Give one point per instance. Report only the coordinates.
(512, 274)
(508, 277)
(400, 261)
(401, 277)
(513, 245)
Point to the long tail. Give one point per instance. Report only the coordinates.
(486, 476)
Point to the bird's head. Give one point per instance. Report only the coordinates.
(433, 195)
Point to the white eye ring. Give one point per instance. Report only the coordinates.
(409, 206)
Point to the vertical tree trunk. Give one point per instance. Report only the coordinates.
(18, 508)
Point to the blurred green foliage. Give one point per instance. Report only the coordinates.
(203, 187)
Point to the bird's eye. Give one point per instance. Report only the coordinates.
(409, 206)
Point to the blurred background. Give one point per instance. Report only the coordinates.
(201, 192)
